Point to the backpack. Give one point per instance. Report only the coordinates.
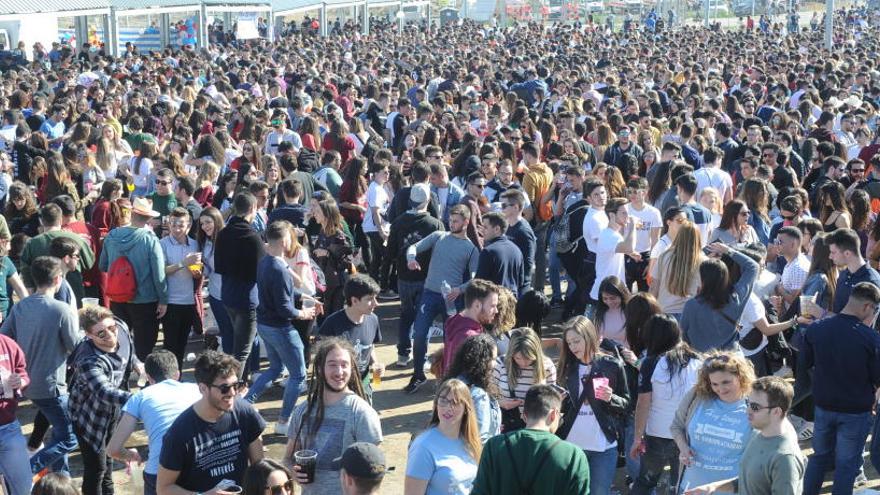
(121, 281)
(544, 210)
(569, 229)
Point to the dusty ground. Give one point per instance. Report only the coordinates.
(402, 415)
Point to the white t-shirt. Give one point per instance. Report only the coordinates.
(141, 178)
(586, 432)
(301, 259)
(752, 312)
(663, 243)
(666, 394)
(651, 219)
(594, 222)
(608, 261)
(377, 197)
(714, 178)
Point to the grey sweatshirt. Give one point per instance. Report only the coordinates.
(47, 331)
(705, 328)
(450, 260)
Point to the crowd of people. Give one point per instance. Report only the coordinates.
(699, 205)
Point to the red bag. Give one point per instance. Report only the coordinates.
(121, 281)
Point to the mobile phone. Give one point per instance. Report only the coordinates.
(559, 389)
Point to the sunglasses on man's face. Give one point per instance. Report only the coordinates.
(227, 387)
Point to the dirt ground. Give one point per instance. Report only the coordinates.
(402, 416)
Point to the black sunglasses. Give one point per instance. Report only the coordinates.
(227, 387)
(282, 488)
(755, 407)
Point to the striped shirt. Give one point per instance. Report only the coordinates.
(525, 380)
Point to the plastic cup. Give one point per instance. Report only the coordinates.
(195, 267)
(307, 460)
(601, 381)
(377, 377)
(806, 301)
(91, 301)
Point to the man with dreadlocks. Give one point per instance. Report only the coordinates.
(335, 416)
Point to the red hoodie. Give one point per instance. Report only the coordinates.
(11, 361)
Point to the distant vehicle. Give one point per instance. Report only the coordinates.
(716, 7)
(742, 8)
(29, 29)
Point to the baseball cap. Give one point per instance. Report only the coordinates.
(362, 460)
(419, 195)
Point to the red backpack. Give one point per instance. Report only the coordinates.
(121, 281)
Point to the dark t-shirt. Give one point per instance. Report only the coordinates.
(207, 453)
(362, 336)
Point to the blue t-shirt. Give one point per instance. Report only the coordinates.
(718, 434)
(157, 407)
(52, 131)
(443, 462)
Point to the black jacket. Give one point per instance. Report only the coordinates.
(408, 229)
(608, 414)
(501, 262)
(238, 250)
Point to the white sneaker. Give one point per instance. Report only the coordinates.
(784, 372)
(403, 361)
(281, 428)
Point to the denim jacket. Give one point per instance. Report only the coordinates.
(487, 409)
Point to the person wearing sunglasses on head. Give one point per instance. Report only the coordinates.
(772, 461)
(216, 438)
(267, 477)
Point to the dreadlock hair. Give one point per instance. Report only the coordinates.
(316, 389)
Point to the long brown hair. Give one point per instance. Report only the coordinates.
(217, 217)
(683, 260)
(456, 391)
(584, 328)
(315, 402)
(821, 263)
(332, 223)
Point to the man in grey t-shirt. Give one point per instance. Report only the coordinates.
(772, 461)
(47, 331)
(338, 398)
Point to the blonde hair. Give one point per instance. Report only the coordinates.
(727, 362)
(682, 259)
(456, 391)
(208, 173)
(524, 341)
(585, 329)
(505, 319)
(711, 191)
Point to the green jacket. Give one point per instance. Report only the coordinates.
(565, 470)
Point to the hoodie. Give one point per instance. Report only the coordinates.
(238, 250)
(142, 248)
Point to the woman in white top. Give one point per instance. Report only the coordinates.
(141, 168)
(443, 460)
(673, 218)
(676, 275)
(522, 366)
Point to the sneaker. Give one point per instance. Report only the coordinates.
(388, 295)
(861, 479)
(32, 452)
(281, 428)
(402, 361)
(414, 384)
(784, 372)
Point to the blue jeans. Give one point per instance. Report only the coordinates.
(224, 324)
(875, 444)
(602, 468)
(62, 441)
(150, 483)
(629, 432)
(284, 349)
(410, 294)
(14, 464)
(838, 442)
(555, 268)
(430, 306)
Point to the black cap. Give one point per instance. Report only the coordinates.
(362, 460)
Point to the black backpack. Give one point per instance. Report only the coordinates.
(569, 227)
